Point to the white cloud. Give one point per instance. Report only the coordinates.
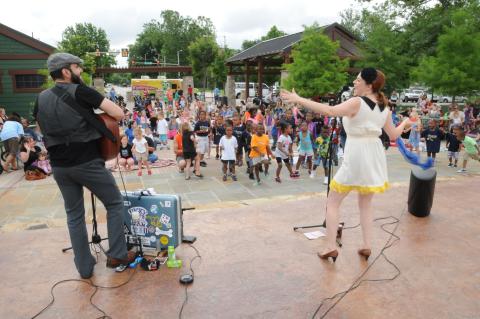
(235, 21)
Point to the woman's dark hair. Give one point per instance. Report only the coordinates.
(15, 117)
(377, 79)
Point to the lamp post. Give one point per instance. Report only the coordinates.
(178, 61)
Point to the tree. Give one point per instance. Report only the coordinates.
(382, 49)
(85, 38)
(168, 39)
(218, 68)
(202, 54)
(316, 69)
(274, 32)
(455, 69)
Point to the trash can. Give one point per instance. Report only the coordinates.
(420, 193)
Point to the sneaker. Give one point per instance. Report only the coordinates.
(217, 156)
(224, 178)
(257, 183)
(139, 173)
(296, 173)
(294, 176)
(149, 172)
(455, 165)
(251, 176)
(325, 180)
(115, 262)
(462, 170)
(450, 165)
(312, 175)
(234, 178)
(278, 180)
(203, 164)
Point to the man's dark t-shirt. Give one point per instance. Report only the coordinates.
(76, 153)
(200, 126)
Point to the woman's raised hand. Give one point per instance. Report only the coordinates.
(289, 97)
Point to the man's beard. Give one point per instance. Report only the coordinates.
(76, 79)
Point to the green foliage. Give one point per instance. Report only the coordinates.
(119, 78)
(316, 68)
(86, 77)
(85, 38)
(455, 67)
(382, 49)
(164, 39)
(202, 53)
(274, 32)
(218, 68)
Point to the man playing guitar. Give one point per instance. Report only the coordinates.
(76, 161)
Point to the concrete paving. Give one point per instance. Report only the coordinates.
(253, 265)
(24, 204)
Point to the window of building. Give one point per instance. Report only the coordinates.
(29, 81)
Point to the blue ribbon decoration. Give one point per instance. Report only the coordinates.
(411, 157)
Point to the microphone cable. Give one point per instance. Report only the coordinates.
(359, 281)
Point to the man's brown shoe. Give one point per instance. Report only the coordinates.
(114, 262)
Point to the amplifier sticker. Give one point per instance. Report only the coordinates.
(164, 240)
(168, 233)
(165, 219)
(153, 209)
(139, 220)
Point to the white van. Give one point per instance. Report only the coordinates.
(253, 88)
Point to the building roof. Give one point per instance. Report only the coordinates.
(27, 40)
(285, 43)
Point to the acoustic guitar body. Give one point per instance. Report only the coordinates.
(108, 149)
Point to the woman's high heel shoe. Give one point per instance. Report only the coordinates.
(365, 253)
(333, 254)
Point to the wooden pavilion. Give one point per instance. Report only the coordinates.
(267, 57)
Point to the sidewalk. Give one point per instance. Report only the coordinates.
(24, 204)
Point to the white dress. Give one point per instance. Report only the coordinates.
(364, 166)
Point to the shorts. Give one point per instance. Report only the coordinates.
(141, 156)
(307, 153)
(163, 138)
(202, 146)
(453, 154)
(229, 162)
(179, 158)
(259, 160)
(321, 160)
(189, 155)
(11, 145)
(248, 159)
(285, 160)
(466, 156)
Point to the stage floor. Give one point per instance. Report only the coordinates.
(254, 265)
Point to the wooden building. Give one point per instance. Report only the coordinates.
(267, 57)
(21, 56)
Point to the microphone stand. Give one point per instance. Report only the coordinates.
(96, 238)
(330, 160)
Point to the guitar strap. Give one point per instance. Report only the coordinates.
(89, 117)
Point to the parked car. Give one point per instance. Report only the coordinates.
(448, 99)
(411, 95)
(253, 88)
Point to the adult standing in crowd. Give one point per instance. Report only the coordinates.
(76, 160)
(10, 135)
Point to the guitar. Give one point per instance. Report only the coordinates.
(109, 149)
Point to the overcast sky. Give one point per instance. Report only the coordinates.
(234, 21)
